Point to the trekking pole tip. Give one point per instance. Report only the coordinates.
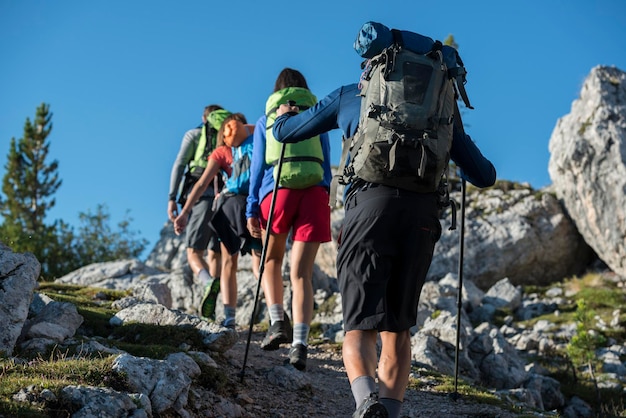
(455, 396)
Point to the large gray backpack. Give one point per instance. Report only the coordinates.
(406, 121)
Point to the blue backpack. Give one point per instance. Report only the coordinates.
(239, 180)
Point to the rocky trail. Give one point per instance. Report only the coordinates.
(271, 388)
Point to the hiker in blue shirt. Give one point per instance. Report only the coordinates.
(385, 248)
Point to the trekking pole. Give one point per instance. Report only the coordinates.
(459, 302)
(268, 227)
(458, 123)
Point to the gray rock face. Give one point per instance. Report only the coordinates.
(169, 253)
(18, 279)
(165, 382)
(588, 164)
(521, 234)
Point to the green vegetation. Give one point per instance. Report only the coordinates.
(582, 348)
(52, 373)
(589, 299)
(72, 365)
(28, 189)
(436, 382)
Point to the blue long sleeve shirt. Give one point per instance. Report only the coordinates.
(262, 174)
(341, 110)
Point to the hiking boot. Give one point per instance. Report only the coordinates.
(209, 300)
(280, 332)
(371, 408)
(229, 323)
(297, 356)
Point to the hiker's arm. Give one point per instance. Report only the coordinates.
(337, 110)
(475, 168)
(292, 127)
(185, 154)
(199, 188)
(257, 169)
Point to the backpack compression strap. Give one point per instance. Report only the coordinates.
(339, 176)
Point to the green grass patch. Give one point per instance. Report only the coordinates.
(52, 373)
(437, 382)
(156, 341)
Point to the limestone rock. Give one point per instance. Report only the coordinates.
(588, 164)
(18, 279)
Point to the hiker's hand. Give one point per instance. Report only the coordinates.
(285, 108)
(172, 210)
(180, 223)
(254, 227)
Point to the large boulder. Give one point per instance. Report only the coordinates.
(519, 233)
(588, 164)
(18, 280)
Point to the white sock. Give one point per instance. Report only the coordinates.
(204, 277)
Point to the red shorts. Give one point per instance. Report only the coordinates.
(306, 210)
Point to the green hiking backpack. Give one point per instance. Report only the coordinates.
(207, 141)
(303, 161)
(406, 121)
(206, 144)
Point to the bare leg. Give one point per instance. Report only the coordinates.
(228, 280)
(272, 274)
(214, 262)
(196, 260)
(359, 353)
(211, 263)
(395, 364)
(302, 260)
(256, 263)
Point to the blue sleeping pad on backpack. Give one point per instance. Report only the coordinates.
(374, 37)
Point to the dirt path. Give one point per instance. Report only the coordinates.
(272, 389)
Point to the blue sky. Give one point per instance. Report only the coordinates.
(126, 79)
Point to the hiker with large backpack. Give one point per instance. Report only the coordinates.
(399, 125)
(301, 207)
(197, 144)
(232, 155)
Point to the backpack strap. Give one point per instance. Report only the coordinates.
(339, 176)
(458, 74)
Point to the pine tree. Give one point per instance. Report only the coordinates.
(28, 185)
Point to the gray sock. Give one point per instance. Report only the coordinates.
(277, 313)
(393, 406)
(361, 387)
(300, 334)
(229, 312)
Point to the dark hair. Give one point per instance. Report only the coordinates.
(220, 134)
(289, 77)
(208, 109)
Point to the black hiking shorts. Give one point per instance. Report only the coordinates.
(385, 248)
(230, 225)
